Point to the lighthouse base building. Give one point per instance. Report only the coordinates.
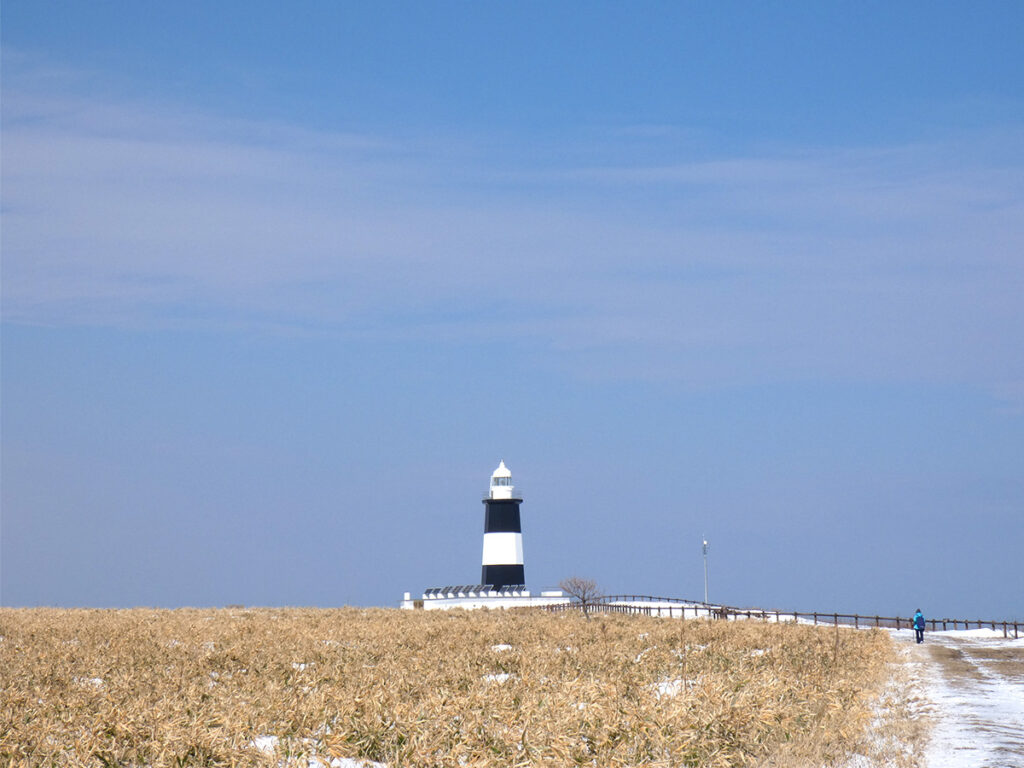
(503, 575)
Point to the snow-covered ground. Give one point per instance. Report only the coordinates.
(972, 683)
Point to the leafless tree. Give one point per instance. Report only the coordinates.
(583, 591)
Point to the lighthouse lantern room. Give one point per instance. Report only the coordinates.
(503, 533)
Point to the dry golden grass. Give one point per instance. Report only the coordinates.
(414, 688)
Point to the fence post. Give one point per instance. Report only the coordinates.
(835, 619)
(876, 622)
(856, 621)
(815, 619)
(897, 623)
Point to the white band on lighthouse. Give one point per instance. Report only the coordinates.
(503, 549)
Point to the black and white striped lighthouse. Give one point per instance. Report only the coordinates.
(503, 534)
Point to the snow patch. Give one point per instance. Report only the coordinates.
(670, 687)
(266, 744)
(978, 717)
(644, 652)
(974, 634)
(269, 744)
(680, 653)
(501, 677)
(343, 762)
(501, 647)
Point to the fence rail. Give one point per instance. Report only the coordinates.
(672, 607)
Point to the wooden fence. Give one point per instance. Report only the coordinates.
(670, 607)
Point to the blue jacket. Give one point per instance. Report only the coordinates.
(918, 620)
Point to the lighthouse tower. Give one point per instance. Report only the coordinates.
(503, 535)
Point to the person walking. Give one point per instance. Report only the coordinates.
(919, 626)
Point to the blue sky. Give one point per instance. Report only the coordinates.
(282, 285)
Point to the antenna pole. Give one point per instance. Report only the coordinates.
(705, 571)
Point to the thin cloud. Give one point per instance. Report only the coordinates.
(891, 263)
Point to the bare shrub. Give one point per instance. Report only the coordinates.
(583, 591)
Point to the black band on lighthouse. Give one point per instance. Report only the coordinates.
(501, 576)
(501, 516)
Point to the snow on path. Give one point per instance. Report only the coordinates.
(974, 682)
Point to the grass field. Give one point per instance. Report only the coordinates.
(413, 688)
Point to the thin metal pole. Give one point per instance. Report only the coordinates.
(705, 571)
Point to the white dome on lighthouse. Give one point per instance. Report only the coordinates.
(501, 482)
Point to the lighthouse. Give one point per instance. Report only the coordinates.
(503, 534)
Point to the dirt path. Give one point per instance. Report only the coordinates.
(974, 687)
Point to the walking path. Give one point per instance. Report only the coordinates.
(973, 682)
